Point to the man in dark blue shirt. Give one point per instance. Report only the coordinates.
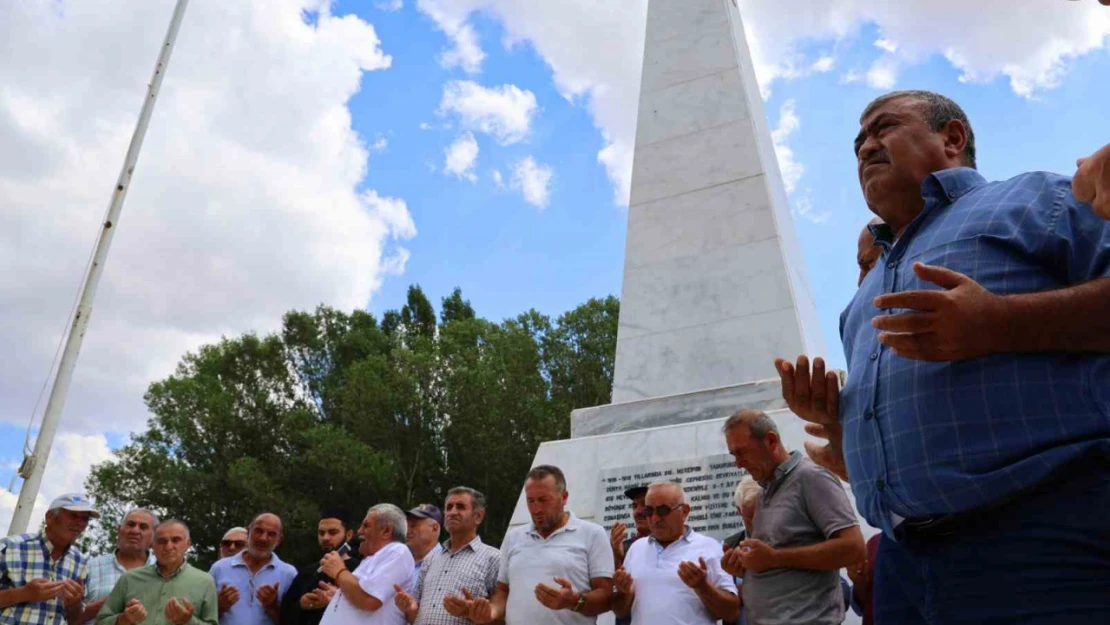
(978, 389)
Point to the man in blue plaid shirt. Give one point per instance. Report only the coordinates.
(43, 575)
(974, 424)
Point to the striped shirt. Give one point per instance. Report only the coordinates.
(473, 567)
(25, 558)
(934, 438)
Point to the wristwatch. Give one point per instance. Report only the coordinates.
(581, 602)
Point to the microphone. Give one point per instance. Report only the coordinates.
(343, 550)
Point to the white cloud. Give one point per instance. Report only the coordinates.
(505, 112)
(390, 5)
(788, 124)
(823, 64)
(425, 126)
(246, 201)
(498, 179)
(461, 157)
(595, 48)
(887, 45)
(533, 181)
(465, 51)
(72, 457)
(379, 144)
(803, 208)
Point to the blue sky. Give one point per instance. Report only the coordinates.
(509, 255)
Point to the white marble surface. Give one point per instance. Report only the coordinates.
(695, 161)
(728, 215)
(690, 106)
(714, 284)
(703, 357)
(582, 458)
(674, 18)
(708, 49)
(705, 405)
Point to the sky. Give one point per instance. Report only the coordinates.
(307, 152)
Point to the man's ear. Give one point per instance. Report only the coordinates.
(479, 516)
(955, 138)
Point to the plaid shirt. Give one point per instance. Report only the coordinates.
(104, 572)
(27, 557)
(934, 438)
(473, 567)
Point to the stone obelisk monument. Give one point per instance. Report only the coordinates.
(714, 284)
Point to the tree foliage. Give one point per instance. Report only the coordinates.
(337, 410)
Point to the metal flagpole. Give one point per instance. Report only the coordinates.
(33, 466)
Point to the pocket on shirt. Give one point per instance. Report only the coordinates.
(993, 262)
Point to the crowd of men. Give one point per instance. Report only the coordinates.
(976, 401)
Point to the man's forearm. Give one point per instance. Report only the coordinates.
(11, 597)
(622, 603)
(1072, 319)
(720, 603)
(75, 613)
(598, 600)
(830, 555)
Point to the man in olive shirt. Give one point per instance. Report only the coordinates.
(168, 592)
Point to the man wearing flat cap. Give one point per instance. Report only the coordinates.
(43, 575)
(424, 523)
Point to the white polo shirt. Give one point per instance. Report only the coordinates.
(392, 564)
(578, 551)
(661, 597)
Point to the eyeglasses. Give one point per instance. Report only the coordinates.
(238, 544)
(660, 511)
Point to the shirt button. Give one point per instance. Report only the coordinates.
(890, 265)
(881, 485)
(874, 356)
(952, 194)
(869, 414)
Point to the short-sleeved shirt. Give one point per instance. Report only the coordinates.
(661, 597)
(418, 565)
(924, 439)
(104, 571)
(802, 505)
(377, 574)
(26, 557)
(153, 590)
(579, 551)
(474, 567)
(248, 609)
(308, 579)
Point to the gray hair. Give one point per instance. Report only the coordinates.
(155, 521)
(235, 529)
(172, 522)
(389, 515)
(757, 422)
(937, 109)
(675, 486)
(477, 499)
(747, 490)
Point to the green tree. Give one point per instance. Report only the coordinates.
(336, 410)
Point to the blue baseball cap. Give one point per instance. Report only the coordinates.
(426, 511)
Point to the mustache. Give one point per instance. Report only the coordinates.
(878, 156)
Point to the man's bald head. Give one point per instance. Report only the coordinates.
(867, 253)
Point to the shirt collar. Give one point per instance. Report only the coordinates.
(472, 545)
(237, 560)
(781, 471)
(685, 536)
(944, 186)
(48, 547)
(158, 571)
(949, 185)
(150, 559)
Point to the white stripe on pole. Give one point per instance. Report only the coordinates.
(35, 464)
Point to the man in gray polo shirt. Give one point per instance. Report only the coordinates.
(805, 530)
(556, 571)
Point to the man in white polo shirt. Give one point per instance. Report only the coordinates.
(675, 576)
(556, 571)
(365, 596)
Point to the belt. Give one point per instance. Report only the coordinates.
(945, 526)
